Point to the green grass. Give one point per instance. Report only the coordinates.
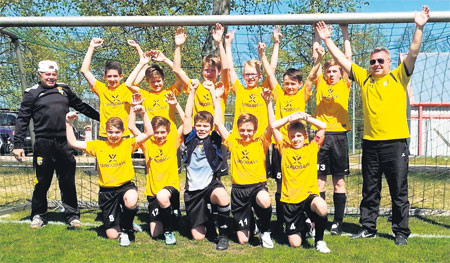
(55, 243)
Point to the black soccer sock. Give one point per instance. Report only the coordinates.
(339, 200)
(264, 215)
(320, 222)
(126, 220)
(223, 213)
(279, 209)
(322, 194)
(166, 218)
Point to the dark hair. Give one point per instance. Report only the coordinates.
(154, 70)
(247, 117)
(112, 64)
(297, 126)
(212, 60)
(159, 121)
(204, 116)
(294, 74)
(114, 122)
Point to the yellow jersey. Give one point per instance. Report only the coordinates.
(384, 102)
(204, 102)
(299, 169)
(114, 162)
(248, 159)
(161, 162)
(113, 103)
(332, 103)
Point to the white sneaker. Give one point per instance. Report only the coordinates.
(124, 240)
(321, 247)
(75, 223)
(266, 240)
(137, 228)
(37, 222)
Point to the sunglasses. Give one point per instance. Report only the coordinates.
(251, 75)
(373, 61)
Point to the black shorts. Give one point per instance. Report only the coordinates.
(196, 203)
(333, 155)
(243, 199)
(294, 216)
(110, 201)
(274, 167)
(153, 205)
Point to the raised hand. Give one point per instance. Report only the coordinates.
(220, 89)
(194, 84)
(421, 18)
(171, 99)
(266, 94)
(299, 115)
(133, 43)
(180, 36)
(71, 116)
(217, 33)
(261, 49)
(229, 37)
(146, 58)
(136, 99)
(209, 85)
(96, 42)
(157, 55)
(320, 51)
(138, 109)
(322, 30)
(276, 35)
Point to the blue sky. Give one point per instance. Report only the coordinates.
(405, 5)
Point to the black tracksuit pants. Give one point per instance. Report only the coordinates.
(52, 155)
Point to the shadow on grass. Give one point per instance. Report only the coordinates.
(431, 221)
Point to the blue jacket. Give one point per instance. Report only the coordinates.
(212, 145)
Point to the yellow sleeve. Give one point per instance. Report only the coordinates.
(276, 91)
(228, 142)
(358, 74)
(98, 87)
(401, 75)
(90, 148)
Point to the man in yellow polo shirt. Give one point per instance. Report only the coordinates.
(385, 149)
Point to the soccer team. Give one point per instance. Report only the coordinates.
(299, 164)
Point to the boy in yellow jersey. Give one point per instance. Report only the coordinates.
(203, 161)
(292, 98)
(118, 194)
(300, 192)
(212, 69)
(248, 171)
(385, 149)
(332, 93)
(163, 184)
(115, 98)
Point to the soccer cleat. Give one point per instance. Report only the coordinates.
(75, 223)
(266, 240)
(336, 228)
(124, 240)
(321, 247)
(222, 243)
(364, 233)
(37, 222)
(311, 227)
(137, 228)
(400, 240)
(169, 238)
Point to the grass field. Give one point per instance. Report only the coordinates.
(55, 243)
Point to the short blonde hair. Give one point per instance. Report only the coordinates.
(254, 64)
(380, 49)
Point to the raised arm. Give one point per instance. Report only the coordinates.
(143, 60)
(173, 102)
(325, 34)
(218, 119)
(276, 48)
(314, 72)
(70, 135)
(180, 39)
(187, 123)
(148, 130)
(266, 94)
(95, 43)
(420, 19)
(346, 39)
(228, 41)
(217, 35)
(267, 67)
(134, 44)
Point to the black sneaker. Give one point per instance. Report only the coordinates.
(364, 233)
(336, 228)
(400, 240)
(222, 243)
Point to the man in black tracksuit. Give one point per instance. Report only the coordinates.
(47, 104)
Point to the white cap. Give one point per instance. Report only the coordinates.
(47, 66)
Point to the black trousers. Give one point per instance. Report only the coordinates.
(391, 158)
(52, 155)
